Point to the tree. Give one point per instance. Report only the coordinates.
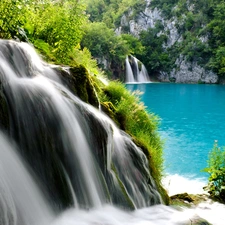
(103, 43)
(59, 24)
(134, 44)
(155, 57)
(13, 16)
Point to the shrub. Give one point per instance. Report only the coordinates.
(216, 170)
(12, 17)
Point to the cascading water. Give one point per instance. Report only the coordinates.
(136, 71)
(21, 202)
(63, 156)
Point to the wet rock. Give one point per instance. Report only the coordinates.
(184, 197)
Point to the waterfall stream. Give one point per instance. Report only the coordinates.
(63, 161)
(136, 71)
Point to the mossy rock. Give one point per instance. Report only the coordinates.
(120, 195)
(198, 221)
(109, 109)
(79, 82)
(142, 146)
(146, 151)
(188, 200)
(184, 197)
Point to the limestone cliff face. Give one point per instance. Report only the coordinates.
(189, 72)
(185, 72)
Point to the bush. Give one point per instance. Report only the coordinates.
(12, 17)
(216, 170)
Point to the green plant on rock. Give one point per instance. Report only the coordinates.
(134, 119)
(216, 170)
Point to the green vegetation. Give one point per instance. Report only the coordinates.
(198, 21)
(154, 56)
(12, 16)
(111, 11)
(105, 45)
(199, 25)
(131, 115)
(54, 27)
(165, 5)
(216, 170)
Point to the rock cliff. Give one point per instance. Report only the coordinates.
(184, 71)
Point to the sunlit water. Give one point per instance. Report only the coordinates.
(192, 118)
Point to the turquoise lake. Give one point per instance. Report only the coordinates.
(192, 118)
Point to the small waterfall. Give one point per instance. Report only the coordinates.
(129, 72)
(135, 71)
(19, 190)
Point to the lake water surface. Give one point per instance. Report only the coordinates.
(192, 118)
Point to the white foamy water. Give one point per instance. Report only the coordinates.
(213, 212)
(175, 184)
(19, 190)
(108, 215)
(154, 215)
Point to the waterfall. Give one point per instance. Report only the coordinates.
(62, 161)
(135, 71)
(19, 190)
(77, 154)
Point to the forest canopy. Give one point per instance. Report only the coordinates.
(63, 30)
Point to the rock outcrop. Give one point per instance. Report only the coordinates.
(189, 72)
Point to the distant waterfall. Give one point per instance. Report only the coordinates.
(136, 71)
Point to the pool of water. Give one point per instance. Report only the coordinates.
(192, 118)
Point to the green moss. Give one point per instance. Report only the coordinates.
(109, 109)
(80, 83)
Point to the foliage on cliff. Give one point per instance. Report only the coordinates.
(57, 28)
(111, 11)
(105, 45)
(199, 26)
